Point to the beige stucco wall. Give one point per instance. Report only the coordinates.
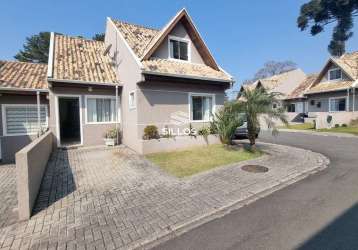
(31, 164)
(324, 99)
(157, 102)
(11, 144)
(92, 134)
(128, 71)
(337, 118)
(178, 31)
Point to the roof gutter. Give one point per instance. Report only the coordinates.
(186, 76)
(84, 82)
(327, 91)
(24, 89)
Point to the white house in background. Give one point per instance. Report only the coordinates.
(332, 95)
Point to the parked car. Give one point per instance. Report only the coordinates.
(242, 133)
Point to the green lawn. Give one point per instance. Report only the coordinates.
(348, 130)
(199, 159)
(309, 126)
(303, 126)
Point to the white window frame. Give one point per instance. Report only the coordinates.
(101, 97)
(133, 105)
(329, 75)
(179, 39)
(335, 98)
(4, 106)
(190, 101)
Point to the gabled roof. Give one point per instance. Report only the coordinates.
(81, 60)
(304, 86)
(138, 37)
(144, 41)
(349, 65)
(273, 82)
(23, 75)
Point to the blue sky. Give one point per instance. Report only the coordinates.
(242, 35)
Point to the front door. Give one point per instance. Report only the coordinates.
(69, 121)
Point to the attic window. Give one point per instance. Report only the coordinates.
(179, 48)
(334, 74)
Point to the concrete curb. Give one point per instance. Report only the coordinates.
(171, 233)
(340, 135)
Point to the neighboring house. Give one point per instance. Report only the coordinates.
(284, 83)
(333, 93)
(296, 102)
(138, 77)
(22, 86)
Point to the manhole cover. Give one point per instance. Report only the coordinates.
(254, 168)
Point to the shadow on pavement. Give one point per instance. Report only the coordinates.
(58, 181)
(342, 233)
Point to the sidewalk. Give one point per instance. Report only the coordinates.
(116, 199)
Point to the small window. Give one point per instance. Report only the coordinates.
(334, 74)
(201, 108)
(337, 104)
(312, 102)
(179, 49)
(318, 105)
(132, 100)
(101, 110)
(291, 108)
(23, 120)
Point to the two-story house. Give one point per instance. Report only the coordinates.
(138, 76)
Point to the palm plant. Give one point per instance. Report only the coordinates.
(225, 122)
(259, 103)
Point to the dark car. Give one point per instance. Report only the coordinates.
(242, 133)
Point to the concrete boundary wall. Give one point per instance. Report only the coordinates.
(337, 118)
(31, 164)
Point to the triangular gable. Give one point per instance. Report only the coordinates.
(325, 69)
(183, 17)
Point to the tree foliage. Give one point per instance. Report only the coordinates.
(316, 14)
(259, 102)
(226, 121)
(271, 68)
(99, 37)
(36, 48)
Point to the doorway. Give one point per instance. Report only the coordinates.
(69, 120)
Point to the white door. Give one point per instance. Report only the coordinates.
(299, 107)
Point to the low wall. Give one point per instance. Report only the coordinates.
(175, 143)
(31, 164)
(337, 118)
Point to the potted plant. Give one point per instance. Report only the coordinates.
(110, 137)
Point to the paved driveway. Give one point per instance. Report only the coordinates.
(114, 198)
(319, 212)
(8, 199)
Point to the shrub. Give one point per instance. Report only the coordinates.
(354, 123)
(111, 134)
(226, 121)
(204, 131)
(344, 125)
(336, 125)
(150, 132)
(329, 119)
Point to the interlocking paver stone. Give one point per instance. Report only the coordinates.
(113, 198)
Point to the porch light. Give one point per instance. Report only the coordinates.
(90, 89)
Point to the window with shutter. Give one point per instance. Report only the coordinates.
(22, 119)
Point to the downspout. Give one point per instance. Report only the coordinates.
(354, 99)
(348, 100)
(38, 112)
(117, 114)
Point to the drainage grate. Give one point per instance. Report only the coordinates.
(254, 168)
